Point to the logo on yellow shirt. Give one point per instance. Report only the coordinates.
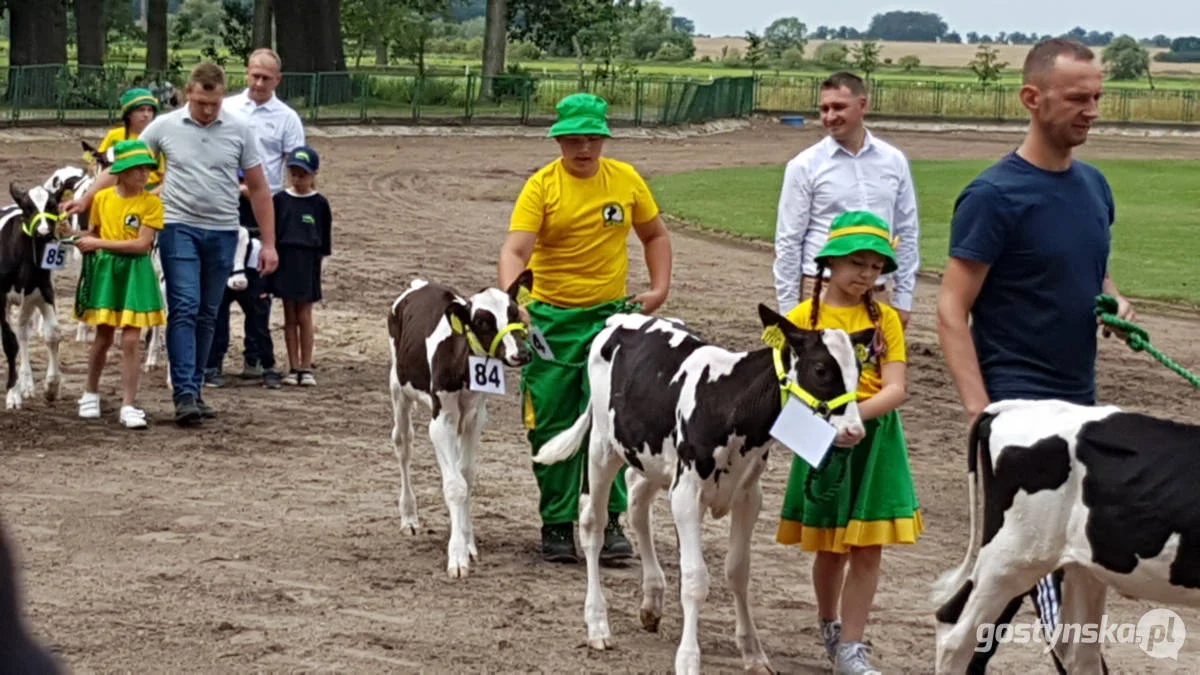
(613, 213)
(132, 222)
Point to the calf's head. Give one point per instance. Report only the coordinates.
(97, 161)
(491, 321)
(39, 210)
(819, 368)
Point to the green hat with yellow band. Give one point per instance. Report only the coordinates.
(133, 99)
(860, 231)
(128, 154)
(581, 115)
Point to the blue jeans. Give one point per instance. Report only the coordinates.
(256, 306)
(196, 264)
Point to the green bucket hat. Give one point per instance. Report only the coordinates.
(581, 114)
(136, 98)
(128, 154)
(860, 231)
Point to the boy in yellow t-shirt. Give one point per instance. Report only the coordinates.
(139, 107)
(570, 226)
(863, 498)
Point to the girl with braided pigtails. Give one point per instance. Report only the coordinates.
(862, 498)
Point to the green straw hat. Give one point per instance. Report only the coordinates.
(860, 231)
(128, 154)
(136, 98)
(581, 114)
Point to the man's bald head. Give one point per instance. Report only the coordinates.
(1041, 59)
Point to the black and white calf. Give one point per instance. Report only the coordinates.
(26, 230)
(695, 419)
(434, 333)
(1107, 495)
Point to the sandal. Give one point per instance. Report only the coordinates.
(133, 417)
(89, 405)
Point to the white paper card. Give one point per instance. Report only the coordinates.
(804, 432)
(486, 375)
(539, 344)
(54, 257)
(255, 251)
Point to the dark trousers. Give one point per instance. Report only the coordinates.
(256, 306)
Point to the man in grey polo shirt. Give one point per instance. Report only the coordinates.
(205, 147)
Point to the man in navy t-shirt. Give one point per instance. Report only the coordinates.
(1029, 246)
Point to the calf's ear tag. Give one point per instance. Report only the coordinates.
(524, 297)
(773, 337)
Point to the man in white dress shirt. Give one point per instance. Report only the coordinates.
(848, 170)
(279, 130)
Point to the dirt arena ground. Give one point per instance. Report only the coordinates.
(270, 540)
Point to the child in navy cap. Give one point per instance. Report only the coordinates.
(303, 233)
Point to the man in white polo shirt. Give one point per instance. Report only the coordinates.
(848, 170)
(280, 131)
(205, 147)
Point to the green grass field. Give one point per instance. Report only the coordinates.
(1153, 250)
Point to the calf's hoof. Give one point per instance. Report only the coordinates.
(458, 571)
(52, 389)
(13, 400)
(410, 526)
(27, 387)
(600, 644)
(687, 662)
(650, 620)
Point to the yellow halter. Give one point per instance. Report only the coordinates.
(773, 337)
(477, 346)
(31, 226)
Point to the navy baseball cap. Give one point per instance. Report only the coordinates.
(306, 158)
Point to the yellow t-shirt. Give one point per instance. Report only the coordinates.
(116, 135)
(857, 322)
(119, 218)
(581, 256)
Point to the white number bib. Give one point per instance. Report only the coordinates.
(486, 375)
(539, 344)
(54, 257)
(804, 432)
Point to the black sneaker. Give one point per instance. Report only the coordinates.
(214, 378)
(187, 413)
(558, 543)
(206, 410)
(616, 546)
(272, 379)
(252, 371)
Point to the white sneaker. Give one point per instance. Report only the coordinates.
(133, 417)
(89, 405)
(854, 658)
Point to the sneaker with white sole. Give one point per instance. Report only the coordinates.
(292, 378)
(133, 417)
(89, 405)
(307, 379)
(831, 637)
(854, 658)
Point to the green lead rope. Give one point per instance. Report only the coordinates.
(1136, 337)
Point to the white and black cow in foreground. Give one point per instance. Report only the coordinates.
(695, 419)
(26, 228)
(1107, 495)
(434, 332)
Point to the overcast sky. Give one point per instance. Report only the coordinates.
(1142, 19)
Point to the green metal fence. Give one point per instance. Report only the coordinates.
(56, 94)
(972, 101)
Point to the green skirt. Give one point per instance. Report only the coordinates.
(862, 496)
(120, 290)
